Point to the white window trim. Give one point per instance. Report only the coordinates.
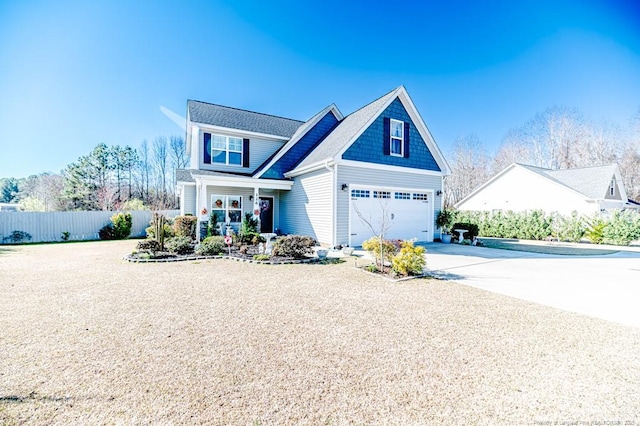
(227, 150)
(391, 138)
(226, 206)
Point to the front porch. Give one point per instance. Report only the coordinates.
(226, 199)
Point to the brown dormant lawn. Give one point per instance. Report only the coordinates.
(87, 338)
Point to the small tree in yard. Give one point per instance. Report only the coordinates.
(378, 232)
(157, 223)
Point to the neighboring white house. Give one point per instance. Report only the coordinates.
(312, 177)
(520, 187)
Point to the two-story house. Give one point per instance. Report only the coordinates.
(328, 177)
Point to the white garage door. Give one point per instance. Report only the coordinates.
(408, 213)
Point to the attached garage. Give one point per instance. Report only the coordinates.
(409, 213)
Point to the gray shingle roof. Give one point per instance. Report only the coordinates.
(234, 118)
(345, 131)
(186, 175)
(183, 175)
(592, 182)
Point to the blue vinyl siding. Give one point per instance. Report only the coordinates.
(303, 147)
(370, 147)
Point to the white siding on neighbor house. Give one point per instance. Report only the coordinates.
(307, 208)
(371, 177)
(520, 189)
(188, 201)
(259, 151)
(82, 226)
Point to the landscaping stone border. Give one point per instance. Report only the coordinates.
(132, 259)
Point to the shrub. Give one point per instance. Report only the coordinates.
(211, 246)
(122, 223)
(388, 247)
(595, 229)
(622, 228)
(296, 246)
(185, 226)
(17, 237)
(212, 226)
(472, 229)
(444, 219)
(148, 245)
(248, 232)
(569, 228)
(410, 260)
(179, 245)
(65, 235)
(134, 204)
(261, 257)
(107, 232)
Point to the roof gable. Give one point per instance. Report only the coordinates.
(368, 146)
(355, 124)
(239, 119)
(308, 136)
(589, 182)
(593, 182)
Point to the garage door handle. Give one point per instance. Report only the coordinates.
(425, 231)
(392, 216)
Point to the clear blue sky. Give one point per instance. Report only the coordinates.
(77, 73)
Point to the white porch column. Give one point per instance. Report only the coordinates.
(256, 204)
(197, 212)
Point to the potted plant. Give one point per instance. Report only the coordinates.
(346, 250)
(443, 221)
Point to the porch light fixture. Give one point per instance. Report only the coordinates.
(345, 186)
(250, 197)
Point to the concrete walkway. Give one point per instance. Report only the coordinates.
(601, 286)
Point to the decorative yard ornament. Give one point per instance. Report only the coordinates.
(228, 240)
(204, 211)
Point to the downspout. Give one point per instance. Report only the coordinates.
(333, 202)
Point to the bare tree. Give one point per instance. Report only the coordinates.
(46, 188)
(469, 168)
(378, 228)
(161, 164)
(179, 159)
(512, 150)
(144, 170)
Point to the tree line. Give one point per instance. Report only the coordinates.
(557, 138)
(107, 178)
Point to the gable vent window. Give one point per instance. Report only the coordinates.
(612, 188)
(397, 138)
(227, 150)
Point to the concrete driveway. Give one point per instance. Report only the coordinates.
(601, 286)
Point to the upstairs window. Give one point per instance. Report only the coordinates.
(396, 141)
(227, 150)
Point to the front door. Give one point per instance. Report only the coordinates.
(266, 214)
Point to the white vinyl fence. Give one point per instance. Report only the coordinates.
(81, 226)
